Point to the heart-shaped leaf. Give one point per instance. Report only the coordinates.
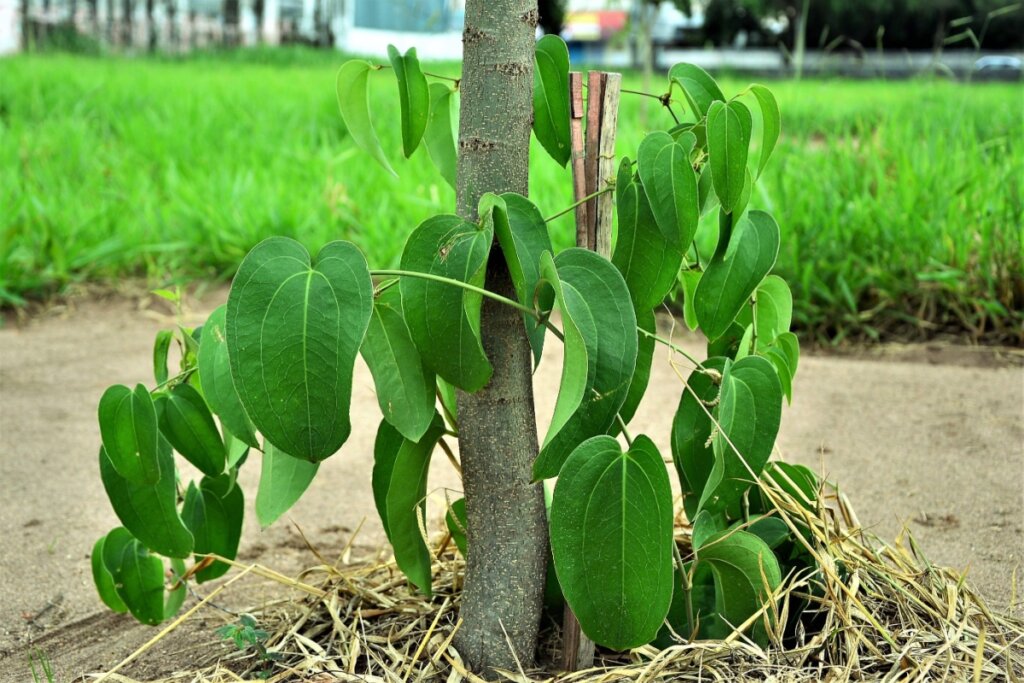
(149, 511)
(439, 136)
(688, 280)
(443, 319)
(670, 185)
(138, 578)
(399, 491)
(691, 430)
(128, 427)
(773, 310)
(551, 97)
(283, 480)
(215, 377)
(354, 103)
(740, 263)
(161, 347)
(413, 96)
(213, 512)
(102, 577)
(697, 85)
(729, 128)
(645, 320)
(293, 333)
(189, 427)
(771, 123)
(611, 540)
(593, 295)
(405, 386)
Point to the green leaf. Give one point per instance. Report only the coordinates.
(189, 427)
(413, 95)
(691, 430)
(102, 577)
(215, 378)
(698, 86)
(729, 128)
(213, 512)
(748, 414)
(611, 540)
(745, 574)
(551, 97)
(283, 480)
(705, 525)
(455, 520)
(161, 347)
(294, 330)
(779, 359)
(772, 530)
(771, 119)
(648, 261)
(645, 320)
(789, 343)
(740, 263)
(176, 597)
(399, 491)
(799, 481)
(773, 309)
(354, 103)
(443, 319)
(689, 279)
(446, 394)
(238, 451)
(128, 428)
(593, 297)
(523, 236)
(706, 197)
(670, 186)
(405, 386)
(149, 511)
(727, 346)
(139, 577)
(439, 136)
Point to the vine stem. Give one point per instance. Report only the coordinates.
(454, 80)
(586, 199)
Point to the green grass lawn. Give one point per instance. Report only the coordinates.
(901, 203)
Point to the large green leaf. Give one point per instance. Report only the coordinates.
(128, 428)
(413, 96)
(593, 295)
(102, 577)
(283, 480)
(773, 309)
(294, 330)
(399, 492)
(691, 430)
(149, 511)
(748, 413)
(439, 136)
(645, 320)
(648, 261)
(611, 540)
(771, 120)
(670, 185)
(215, 377)
(443, 319)
(697, 85)
(745, 574)
(405, 386)
(740, 263)
(551, 97)
(189, 427)
(729, 128)
(354, 103)
(139, 580)
(523, 236)
(213, 512)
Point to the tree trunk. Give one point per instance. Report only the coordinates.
(507, 523)
(126, 25)
(26, 26)
(151, 36)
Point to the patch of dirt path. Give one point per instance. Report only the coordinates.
(936, 446)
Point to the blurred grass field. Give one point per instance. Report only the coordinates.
(901, 203)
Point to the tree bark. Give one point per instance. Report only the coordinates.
(507, 522)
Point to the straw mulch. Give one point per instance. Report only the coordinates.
(883, 612)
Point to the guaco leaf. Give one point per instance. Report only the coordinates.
(293, 332)
(189, 427)
(688, 280)
(646, 321)
(399, 491)
(161, 347)
(443, 319)
(648, 260)
(413, 96)
(130, 433)
(611, 540)
(670, 186)
(771, 123)
(439, 136)
(283, 480)
(405, 386)
(138, 577)
(591, 293)
(455, 521)
(740, 263)
(551, 97)
(149, 511)
(729, 128)
(213, 512)
(780, 360)
(774, 308)
(523, 236)
(354, 103)
(697, 85)
(215, 378)
(102, 577)
(692, 427)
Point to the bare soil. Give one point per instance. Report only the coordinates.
(930, 438)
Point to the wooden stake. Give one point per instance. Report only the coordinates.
(579, 174)
(595, 100)
(606, 164)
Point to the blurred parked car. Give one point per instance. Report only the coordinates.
(999, 63)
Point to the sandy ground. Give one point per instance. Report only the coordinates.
(929, 437)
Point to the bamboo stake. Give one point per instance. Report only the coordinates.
(606, 164)
(579, 174)
(595, 101)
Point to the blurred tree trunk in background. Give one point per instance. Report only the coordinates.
(151, 35)
(94, 18)
(231, 10)
(257, 9)
(127, 7)
(26, 26)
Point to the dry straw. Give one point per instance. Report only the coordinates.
(884, 611)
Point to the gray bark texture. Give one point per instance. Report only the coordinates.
(507, 524)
